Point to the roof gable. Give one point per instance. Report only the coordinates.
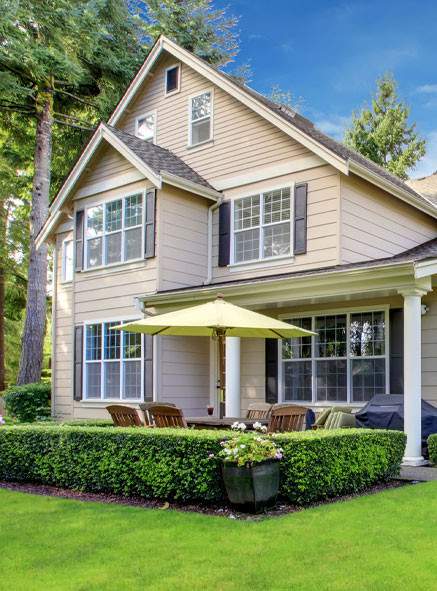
(293, 124)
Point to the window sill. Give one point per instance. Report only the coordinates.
(261, 264)
(107, 401)
(201, 145)
(112, 265)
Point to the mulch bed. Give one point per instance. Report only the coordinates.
(221, 510)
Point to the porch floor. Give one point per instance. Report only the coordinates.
(418, 473)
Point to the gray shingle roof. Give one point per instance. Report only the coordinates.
(422, 252)
(426, 186)
(159, 159)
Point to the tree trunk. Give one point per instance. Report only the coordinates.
(35, 323)
(3, 224)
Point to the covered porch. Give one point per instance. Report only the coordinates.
(376, 326)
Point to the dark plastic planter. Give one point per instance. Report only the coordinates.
(252, 488)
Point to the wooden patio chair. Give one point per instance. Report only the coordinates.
(145, 408)
(287, 418)
(167, 416)
(124, 416)
(258, 410)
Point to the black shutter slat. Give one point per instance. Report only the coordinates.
(149, 227)
(224, 234)
(79, 239)
(148, 368)
(271, 358)
(396, 351)
(300, 218)
(78, 363)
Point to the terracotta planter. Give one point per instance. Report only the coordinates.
(252, 488)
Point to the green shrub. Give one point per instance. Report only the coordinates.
(28, 403)
(88, 423)
(176, 464)
(432, 448)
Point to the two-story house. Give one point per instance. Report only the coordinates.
(198, 185)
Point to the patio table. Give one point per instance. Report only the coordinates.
(224, 423)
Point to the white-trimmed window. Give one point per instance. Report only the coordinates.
(114, 363)
(172, 79)
(346, 362)
(200, 118)
(145, 127)
(262, 226)
(67, 261)
(114, 231)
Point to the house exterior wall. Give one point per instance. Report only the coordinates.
(429, 349)
(374, 224)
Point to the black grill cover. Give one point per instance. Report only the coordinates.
(386, 411)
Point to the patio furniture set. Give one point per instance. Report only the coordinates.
(278, 418)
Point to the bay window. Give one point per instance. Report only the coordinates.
(200, 118)
(113, 363)
(346, 362)
(114, 231)
(262, 226)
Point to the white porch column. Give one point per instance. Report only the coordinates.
(232, 402)
(413, 376)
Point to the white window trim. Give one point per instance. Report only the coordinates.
(101, 321)
(64, 260)
(123, 230)
(155, 124)
(261, 261)
(336, 311)
(211, 117)
(178, 88)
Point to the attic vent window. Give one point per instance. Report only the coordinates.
(145, 127)
(172, 76)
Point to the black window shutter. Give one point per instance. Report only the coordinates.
(79, 238)
(78, 362)
(148, 368)
(272, 371)
(224, 234)
(149, 230)
(300, 218)
(397, 351)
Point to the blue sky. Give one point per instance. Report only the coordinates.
(331, 52)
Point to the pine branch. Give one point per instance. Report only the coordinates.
(73, 125)
(16, 110)
(77, 98)
(69, 117)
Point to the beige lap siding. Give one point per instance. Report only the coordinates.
(252, 372)
(429, 349)
(242, 139)
(184, 373)
(62, 354)
(375, 224)
(323, 215)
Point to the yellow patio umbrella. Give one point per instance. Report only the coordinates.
(217, 319)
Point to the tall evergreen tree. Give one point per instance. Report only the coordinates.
(383, 132)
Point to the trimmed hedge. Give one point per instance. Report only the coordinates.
(432, 448)
(175, 464)
(28, 403)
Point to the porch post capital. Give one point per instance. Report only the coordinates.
(413, 291)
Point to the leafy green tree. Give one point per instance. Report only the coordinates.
(383, 133)
(284, 97)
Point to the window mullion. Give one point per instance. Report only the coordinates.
(122, 255)
(102, 356)
(261, 225)
(348, 360)
(313, 361)
(121, 362)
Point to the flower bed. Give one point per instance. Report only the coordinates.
(184, 465)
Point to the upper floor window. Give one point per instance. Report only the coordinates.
(200, 118)
(262, 226)
(67, 261)
(114, 231)
(172, 79)
(145, 127)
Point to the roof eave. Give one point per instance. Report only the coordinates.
(190, 186)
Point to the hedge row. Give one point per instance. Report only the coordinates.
(175, 464)
(432, 448)
(28, 403)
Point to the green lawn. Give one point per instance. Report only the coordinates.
(384, 541)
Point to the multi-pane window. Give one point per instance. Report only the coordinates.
(67, 260)
(145, 127)
(200, 118)
(172, 76)
(113, 363)
(114, 231)
(345, 362)
(262, 226)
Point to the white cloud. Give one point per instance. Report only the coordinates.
(333, 125)
(428, 164)
(427, 89)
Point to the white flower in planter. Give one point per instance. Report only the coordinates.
(238, 426)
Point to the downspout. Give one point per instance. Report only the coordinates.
(211, 209)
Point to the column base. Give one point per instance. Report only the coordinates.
(414, 461)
